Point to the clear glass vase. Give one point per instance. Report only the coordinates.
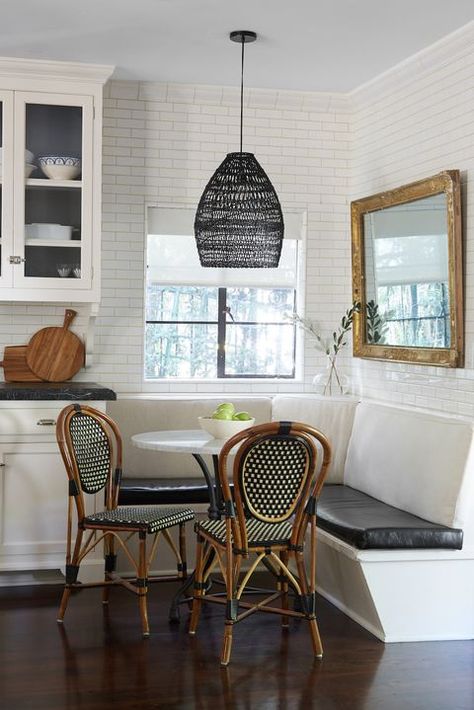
(330, 382)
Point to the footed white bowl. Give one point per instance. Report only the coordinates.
(60, 167)
(224, 428)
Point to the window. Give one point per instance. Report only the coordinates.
(415, 314)
(215, 323)
(411, 278)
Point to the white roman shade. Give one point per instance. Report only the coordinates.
(173, 256)
(411, 260)
(410, 242)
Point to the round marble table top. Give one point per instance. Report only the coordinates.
(191, 441)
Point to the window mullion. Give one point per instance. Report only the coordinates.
(221, 331)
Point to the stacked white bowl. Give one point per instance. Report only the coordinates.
(29, 165)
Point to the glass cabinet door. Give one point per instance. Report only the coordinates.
(53, 208)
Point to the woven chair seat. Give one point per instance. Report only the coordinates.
(151, 519)
(258, 533)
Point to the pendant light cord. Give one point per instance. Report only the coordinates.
(242, 95)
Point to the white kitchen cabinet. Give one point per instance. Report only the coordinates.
(50, 226)
(34, 493)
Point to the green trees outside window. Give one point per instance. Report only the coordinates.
(208, 332)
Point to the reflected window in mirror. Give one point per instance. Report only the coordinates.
(407, 273)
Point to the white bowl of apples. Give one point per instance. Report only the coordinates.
(224, 422)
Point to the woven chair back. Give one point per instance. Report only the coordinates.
(272, 474)
(275, 473)
(91, 448)
(92, 451)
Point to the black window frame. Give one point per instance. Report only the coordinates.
(223, 313)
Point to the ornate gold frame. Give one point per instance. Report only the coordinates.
(447, 182)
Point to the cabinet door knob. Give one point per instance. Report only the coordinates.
(46, 422)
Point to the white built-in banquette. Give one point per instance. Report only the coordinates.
(396, 516)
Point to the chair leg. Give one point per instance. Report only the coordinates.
(232, 603)
(285, 620)
(310, 615)
(198, 590)
(227, 643)
(110, 559)
(64, 602)
(182, 551)
(315, 638)
(72, 570)
(142, 583)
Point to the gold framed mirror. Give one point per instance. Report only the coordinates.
(407, 273)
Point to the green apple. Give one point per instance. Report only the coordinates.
(242, 416)
(222, 414)
(226, 407)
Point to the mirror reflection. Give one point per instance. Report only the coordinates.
(407, 273)
(406, 264)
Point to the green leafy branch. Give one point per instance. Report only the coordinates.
(376, 324)
(332, 346)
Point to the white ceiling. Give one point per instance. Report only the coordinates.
(325, 45)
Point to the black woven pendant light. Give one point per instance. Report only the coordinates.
(239, 222)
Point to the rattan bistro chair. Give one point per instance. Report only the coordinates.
(275, 492)
(91, 448)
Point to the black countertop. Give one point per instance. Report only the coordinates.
(64, 391)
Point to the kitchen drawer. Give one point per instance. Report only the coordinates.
(26, 421)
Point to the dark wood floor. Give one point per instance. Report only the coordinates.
(99, 661)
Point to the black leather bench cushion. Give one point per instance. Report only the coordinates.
(368, 524)
(362, 521)
(163, 491)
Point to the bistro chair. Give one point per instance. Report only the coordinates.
(266, 519)
(91, 448)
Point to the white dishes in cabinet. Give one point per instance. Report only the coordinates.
(59, 167)
(52, 232)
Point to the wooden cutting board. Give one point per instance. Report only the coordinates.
(15, 367)
(55, 354)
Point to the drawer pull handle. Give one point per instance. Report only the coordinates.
(46, 422)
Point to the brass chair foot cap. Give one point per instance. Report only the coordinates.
(319, 655)
(60, 621)
(192, 633)
(105, 602)
(146, 634)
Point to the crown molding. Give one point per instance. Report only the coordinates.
(13, 67)
(443, 52)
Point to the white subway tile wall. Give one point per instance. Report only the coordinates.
(412, 122)
(162, 142)
(161, 145)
